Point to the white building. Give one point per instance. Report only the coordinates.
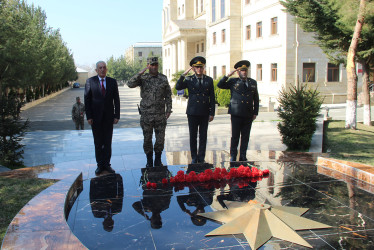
(139, 52)
(225, 31)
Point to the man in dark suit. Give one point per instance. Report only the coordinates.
(201, 105)
(101, 99)
(243, 107)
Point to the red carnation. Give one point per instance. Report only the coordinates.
(265, 172)
(154, 185)
(164, 181)
(149, 184)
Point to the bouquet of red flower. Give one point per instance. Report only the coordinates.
(219, 175)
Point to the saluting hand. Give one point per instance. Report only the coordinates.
(144, 70)
(232, 72)
(186, 72)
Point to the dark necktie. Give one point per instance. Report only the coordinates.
(102, 87)
(200, 81)
(245, 84)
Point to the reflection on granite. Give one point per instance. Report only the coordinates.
(116, 211)
(166, 218)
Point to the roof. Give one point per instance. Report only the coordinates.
(80, 70)
(148, 44)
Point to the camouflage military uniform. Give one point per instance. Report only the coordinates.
(156, 101)
(77, 114)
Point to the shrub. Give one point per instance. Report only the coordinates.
(223, 96)
(175, 78)
(298, 110)
(12, 130)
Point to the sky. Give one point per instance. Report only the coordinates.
(95, 30)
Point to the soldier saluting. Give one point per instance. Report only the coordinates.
(155, 108)
(243, 107)
(201, 105)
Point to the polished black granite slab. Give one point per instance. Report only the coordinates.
(117, 212)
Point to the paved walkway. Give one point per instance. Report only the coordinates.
(50, 142)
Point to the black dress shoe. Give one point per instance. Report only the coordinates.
(109, 169)
(194, 161)
(98, 170)
(232, 158)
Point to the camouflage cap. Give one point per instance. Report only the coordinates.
(152, 60)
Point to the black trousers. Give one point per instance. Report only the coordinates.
(240, 128)
(198, 123)
(102, 133)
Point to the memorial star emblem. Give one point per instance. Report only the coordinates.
(259, 222)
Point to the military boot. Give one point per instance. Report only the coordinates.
(149, 160)
(158, 162)
(242, 158)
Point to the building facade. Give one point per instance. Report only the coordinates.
(139, 52)
(226, 31)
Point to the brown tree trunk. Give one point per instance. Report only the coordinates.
(366, 93)
(351, 110)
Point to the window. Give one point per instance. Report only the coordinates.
(197, 7)
(259, 72)
(197, 48)
(223, 36)
(259, 29)
(202, 5)
(274, 25)
(274, 73)
(309, 70)
(179, 11)
(202, 47)
(332, 72)
(182, 8)
(166, 52)
(248, 32)
(214, 72)
(224, 70)
(213, 11)
(222, 8)
(140, 54)
(214, 37)
(152, 54)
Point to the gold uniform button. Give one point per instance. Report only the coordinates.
(198, 101)
(242, 101)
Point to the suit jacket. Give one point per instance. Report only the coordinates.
(244, 100)
(201, 98)
(97, 105)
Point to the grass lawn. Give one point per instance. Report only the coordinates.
(14, 194)
(347, 144)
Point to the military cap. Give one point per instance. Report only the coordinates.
(197, 61)
(152, 60)
(243, 64)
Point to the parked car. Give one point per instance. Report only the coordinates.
(76, 85)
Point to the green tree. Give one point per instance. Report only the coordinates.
(299, 108)
(344, 31)
(32, 56)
